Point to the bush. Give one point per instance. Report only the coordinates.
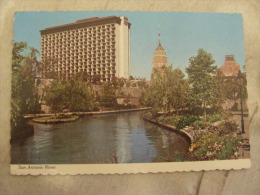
(227, 127)
(200, 124)
(212, 146)
(186, 120)
(216, 117)
(230, 146)
(172, 120)
(178, 157)
(161, 118)
(148, 115)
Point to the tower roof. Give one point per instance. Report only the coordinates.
(159, 47)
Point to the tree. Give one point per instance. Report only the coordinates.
(204, 88)
(16, 99)
(168, 91)
(24, 98)
(74, 94)
(108, 95)
(56, 97)
(230, 87)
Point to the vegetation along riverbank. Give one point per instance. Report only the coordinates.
(215, 139)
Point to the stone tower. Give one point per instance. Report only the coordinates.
(230, 68)
(159, 58)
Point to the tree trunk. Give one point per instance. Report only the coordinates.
(204, 112)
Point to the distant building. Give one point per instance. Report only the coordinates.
(230, 68)
(159, 58)
(96, 46)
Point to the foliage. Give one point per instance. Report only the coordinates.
(230, 146)
(74, 94)
(24, 98)
(200, 124)
(232, 86)
(179, 121)
(168, 90)
(186, 120)
(178, 157)
(108, 96)
(205, 91)
(211, 146)
(216, 117)
(227, 127)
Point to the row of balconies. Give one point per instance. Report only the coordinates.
(82, 30)
(76, 40)
(85, 41)
(99, 73)
(80, 38)
(108, 67)
(75, 62)
(90, 60)
(79, 49)
(87, 56)
(81, 55)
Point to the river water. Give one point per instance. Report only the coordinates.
(112, 138)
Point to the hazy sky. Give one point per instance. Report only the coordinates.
(182, 34)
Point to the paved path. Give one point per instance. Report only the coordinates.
(244, 150)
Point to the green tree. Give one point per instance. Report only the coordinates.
(24, 98)
(168, 91)
(16, 96)
(230, 86)
(204, 87)
(74, 94)
(56, 97)
(108, 95)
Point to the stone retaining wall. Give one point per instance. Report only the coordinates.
(172, 128)
(28, 116)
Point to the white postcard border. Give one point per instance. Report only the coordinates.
(75, 169)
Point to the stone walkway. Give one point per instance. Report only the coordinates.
(244, 150)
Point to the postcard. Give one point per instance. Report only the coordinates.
(105, 92)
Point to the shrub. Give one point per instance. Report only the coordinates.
(230, 146)
(186, 120)
(200, 124)
(148, 115)
(227, 127)
(161, 118)
(178, 157)
(172, 120)
(212, 146)
(216, 117)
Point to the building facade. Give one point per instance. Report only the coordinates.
(99, 47)
(230, 68)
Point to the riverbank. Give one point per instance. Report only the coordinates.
(52, 119)
(217, 140)
(188, 136)
(31, 116)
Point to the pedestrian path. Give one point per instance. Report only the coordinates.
(244, 150)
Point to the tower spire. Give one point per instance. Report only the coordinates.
(159, 35)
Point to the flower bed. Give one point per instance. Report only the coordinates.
(211, 140)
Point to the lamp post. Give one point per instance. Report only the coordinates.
(240, 80)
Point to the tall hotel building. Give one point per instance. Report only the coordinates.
(98, 46)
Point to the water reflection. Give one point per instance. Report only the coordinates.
(114, 138)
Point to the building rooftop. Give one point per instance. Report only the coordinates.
(83, 23)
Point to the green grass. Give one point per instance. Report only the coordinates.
(52, 119)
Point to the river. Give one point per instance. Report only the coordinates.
(111, 138)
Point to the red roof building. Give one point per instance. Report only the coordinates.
(230, 68)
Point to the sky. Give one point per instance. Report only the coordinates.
(182, 34)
